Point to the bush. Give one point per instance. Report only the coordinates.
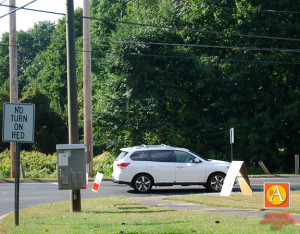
(36, 164)
(5, 164)
(39, 165)
(103, 163)
(252, 170)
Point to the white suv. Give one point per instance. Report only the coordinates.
(162, 165)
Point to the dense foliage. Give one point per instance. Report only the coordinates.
(172, 83)
(36, 164)
(39, 165)
(103, 163)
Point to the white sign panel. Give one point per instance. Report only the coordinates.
(237, 170)
(232, 173)
(18, 122)
(63, 159)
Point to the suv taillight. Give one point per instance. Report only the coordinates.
(122, 165)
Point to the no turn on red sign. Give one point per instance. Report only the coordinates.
(18, 122)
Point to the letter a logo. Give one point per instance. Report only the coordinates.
(278, 199)
(276, 195)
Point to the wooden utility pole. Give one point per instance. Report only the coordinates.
(13, 76)
(87, 86)
(72, 94)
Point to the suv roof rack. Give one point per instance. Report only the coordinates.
(152, 146)
(144, 146)
(164, 145)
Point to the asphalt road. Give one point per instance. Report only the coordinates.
(39, 193)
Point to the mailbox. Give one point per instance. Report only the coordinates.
(71, 166)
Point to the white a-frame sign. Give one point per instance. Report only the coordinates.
(237, 170)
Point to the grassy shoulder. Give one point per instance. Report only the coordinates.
(237, 200)
(118, 215)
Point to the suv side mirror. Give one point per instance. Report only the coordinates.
(197, 160)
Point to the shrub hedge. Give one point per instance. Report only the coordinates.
(103, 163)
(39, 165)
(36, 164)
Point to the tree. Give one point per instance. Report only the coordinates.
(50, 128)
(150, 93)
(48, 71)
(4, 97)
(4, 58)
(185, 84)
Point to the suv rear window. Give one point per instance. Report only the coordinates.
(121, 155)
(162, 156)
(140, 156)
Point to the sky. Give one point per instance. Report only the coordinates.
(26, 19)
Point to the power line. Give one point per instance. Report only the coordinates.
(3, 2)
(190, 29)
(18, 8)
(260, 10)
(40, 11)
(182, 45)
(254, 10)
(209, 58)
(206, 46)
(170, 27)
(212, 58)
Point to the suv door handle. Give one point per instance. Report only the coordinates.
(150, 166)
(180, 167)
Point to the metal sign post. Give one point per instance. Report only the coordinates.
(17, 183)
(231, 141)
(18, 126)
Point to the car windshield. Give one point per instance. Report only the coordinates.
(199, 156)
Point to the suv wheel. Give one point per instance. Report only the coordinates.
(142, 183)
(215, 182)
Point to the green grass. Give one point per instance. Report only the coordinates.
(118, 215)
(237, 200)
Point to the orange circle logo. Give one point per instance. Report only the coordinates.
(276, 195)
